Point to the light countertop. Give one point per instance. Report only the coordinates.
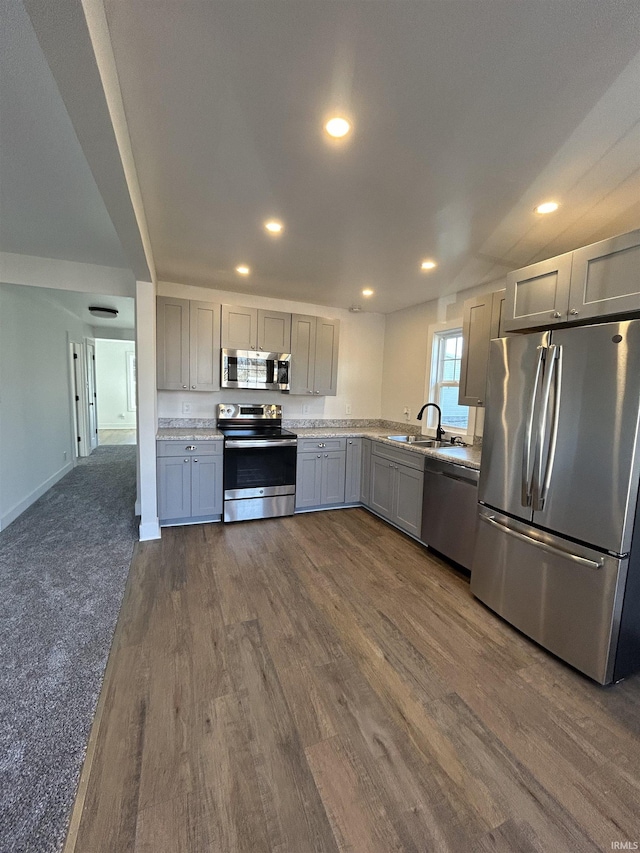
(467, 456)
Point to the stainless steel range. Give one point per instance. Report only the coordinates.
(259, 462)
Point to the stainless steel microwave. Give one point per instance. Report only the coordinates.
(255, 369)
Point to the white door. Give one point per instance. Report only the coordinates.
(78, 399)
(91, 397)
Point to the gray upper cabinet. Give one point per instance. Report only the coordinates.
(172, 344)
(239, 327)
(482, 321)
(255, 328)
(605, 278)
(274, 331)
(538, 295)
(314, 355)
(601, 280)
(188, 343)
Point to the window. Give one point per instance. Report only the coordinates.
(446, 356)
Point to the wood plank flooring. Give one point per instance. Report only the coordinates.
(323, 683)
(117, 436)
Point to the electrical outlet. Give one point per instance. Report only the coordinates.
(407, 413)
(64, 455)
(186, 408)
(347, 409)
(305, 409)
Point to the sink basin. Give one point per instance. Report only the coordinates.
(415, 439)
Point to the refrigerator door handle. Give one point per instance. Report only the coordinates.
(527, 471)
(553, 439)
(540, 475)
(574, 558)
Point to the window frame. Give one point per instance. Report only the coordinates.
(435, 334)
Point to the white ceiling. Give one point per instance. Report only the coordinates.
(50, 205)
(466, 114)
(78, 304)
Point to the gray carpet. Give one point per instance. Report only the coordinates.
(63, 568)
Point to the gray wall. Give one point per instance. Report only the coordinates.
(36, 433)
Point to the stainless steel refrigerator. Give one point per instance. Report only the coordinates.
(556, 554)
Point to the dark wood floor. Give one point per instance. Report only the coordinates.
(321, 683)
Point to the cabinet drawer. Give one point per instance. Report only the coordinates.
(208, 447)
(403, 457)
(306, 445)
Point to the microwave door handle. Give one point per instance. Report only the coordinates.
(555, 369)
(527, 472)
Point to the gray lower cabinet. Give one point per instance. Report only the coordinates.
(189, 481)
(353, 477)
(397, 480)
(321, 470)
(365, 478)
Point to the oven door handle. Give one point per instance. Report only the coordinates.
(238, 444)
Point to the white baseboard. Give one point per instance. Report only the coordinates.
(20, 507)
(149, 530)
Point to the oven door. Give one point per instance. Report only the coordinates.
(259, 468)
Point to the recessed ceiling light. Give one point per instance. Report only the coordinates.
(367, 292)
(273, 226)
(428, 265)
(547, 207)
(337, 127)
(242, 270)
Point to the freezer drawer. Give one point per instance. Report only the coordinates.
(564, 596)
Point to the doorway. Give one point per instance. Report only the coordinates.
(115, 365)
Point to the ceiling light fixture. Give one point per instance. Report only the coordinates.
(243, 270)
(428, 265)
(367, 292)
(106, 313)
(273, 226)
(337, 127)
(547, 207)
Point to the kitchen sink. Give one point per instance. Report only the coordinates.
(415, 439)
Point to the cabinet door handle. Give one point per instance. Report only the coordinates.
(194, 387)
(186, 460)
(390, 464)
(252, 346)
(556, 315)
(573, 312)
(317, 392)
(195, 460)
(185, 386)
(326, 454)
(319, 455)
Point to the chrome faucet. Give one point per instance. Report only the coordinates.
(439, 430)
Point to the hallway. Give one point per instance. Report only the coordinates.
(63, 567)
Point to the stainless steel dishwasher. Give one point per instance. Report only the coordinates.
(450, 509)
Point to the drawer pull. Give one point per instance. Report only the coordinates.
(191, 447)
